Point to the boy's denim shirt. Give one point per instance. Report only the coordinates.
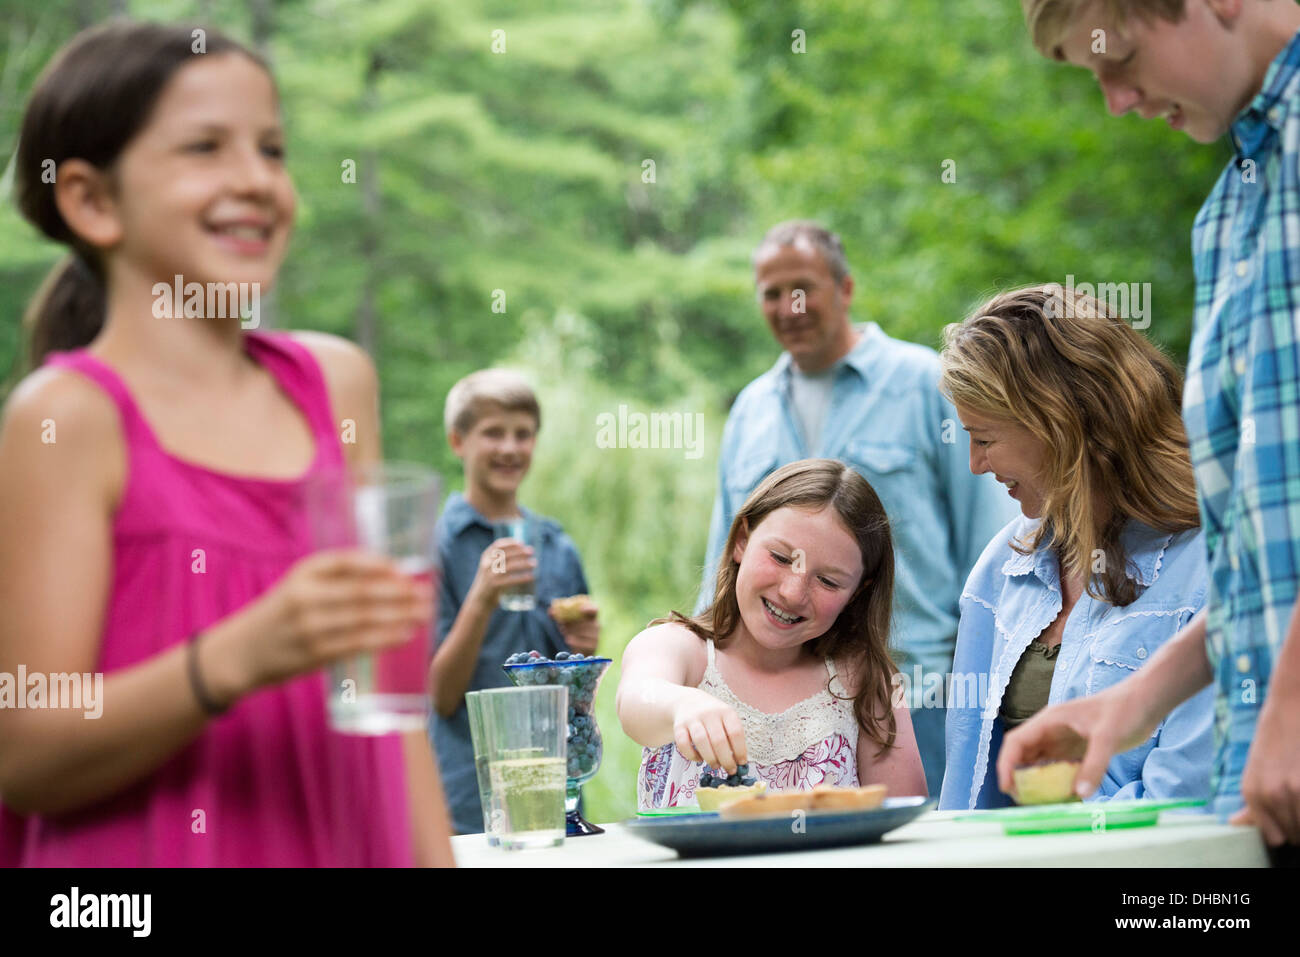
(1007, 602)
(463, 534)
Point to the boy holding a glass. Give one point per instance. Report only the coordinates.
(495, 556)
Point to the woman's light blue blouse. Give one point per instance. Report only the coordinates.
(1010, 598)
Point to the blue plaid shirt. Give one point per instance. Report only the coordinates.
(1242, 409)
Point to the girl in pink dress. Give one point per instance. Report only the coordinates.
(154, 474)
(788, 672)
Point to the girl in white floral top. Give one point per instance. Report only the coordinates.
(788, 671)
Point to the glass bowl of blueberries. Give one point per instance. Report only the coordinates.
(581, 675)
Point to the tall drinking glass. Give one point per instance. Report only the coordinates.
(518, 597)
(525, 732)
(390, 509)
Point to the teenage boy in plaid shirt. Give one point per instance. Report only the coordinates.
(1211, 67)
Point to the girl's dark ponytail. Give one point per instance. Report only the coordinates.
(89, 103)
(67, 311)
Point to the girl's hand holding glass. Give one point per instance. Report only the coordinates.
(331, 605)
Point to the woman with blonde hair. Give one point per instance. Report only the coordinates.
(1079, 416)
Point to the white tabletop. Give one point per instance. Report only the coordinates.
(932, 840)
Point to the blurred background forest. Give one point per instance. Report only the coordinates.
(609, 173)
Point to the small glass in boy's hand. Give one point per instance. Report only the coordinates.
(520, 596)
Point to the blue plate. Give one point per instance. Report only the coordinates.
(708, 835)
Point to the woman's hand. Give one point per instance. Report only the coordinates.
(707, 730)
(330, 605)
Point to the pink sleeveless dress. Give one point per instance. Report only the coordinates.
(267, 783)
(810, 743)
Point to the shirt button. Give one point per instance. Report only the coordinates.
(1243, 663)
(1274, 116)
(1243, 268)
(1142, 652)
(1239, 367)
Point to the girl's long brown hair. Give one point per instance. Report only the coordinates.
(89, 102)
(860, 634)
(1105, 402)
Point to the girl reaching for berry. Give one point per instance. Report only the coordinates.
(153, 488)
(787, 675)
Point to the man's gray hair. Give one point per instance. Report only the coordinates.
(813, 233)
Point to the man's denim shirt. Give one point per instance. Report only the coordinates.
(1010, 598)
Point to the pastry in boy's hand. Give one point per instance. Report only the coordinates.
(570, 610)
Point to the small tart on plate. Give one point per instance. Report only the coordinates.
(821, 798)
(712, 799)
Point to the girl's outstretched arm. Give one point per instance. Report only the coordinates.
(655, 668)
(656, 704)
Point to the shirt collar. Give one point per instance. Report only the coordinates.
(1271, 105)
(859, 358)
(459, 514)
(1143, 545)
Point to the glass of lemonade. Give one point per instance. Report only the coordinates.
(518, 597)
(391, 509)
(525, 733)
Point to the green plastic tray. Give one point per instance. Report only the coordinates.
(1077, 815)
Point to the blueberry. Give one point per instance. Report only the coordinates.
(743, 770)
(706, 780)
(575, 656)
(562, 656)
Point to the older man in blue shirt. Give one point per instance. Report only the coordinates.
(850, 392)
